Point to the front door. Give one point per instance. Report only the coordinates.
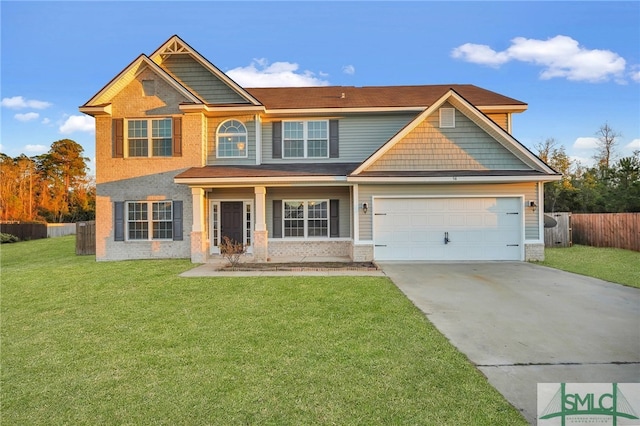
(231, 220)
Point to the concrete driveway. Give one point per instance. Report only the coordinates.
(523, 324)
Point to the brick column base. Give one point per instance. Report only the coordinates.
(198, 250)
(260, 249)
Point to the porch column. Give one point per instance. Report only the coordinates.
(198, 249)
(260, 249)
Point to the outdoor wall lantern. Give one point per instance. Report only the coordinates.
(532, 204)
(365, 208)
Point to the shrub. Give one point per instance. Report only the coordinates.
(232, 250)
(8, 238)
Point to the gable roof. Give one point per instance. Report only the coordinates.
(475, 115)
(176, 46)
(126, 76)
(276, 98)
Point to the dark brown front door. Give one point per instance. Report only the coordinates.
(231, 220)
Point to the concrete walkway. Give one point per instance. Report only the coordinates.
(523, 324)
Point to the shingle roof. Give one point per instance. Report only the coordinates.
(270, 170)
(373, 96)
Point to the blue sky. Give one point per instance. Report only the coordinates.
(577, 64)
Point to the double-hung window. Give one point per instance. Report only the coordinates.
(149, 220)
(305, 139)
(306, 218)
(149, 137)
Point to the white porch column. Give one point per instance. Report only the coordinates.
(260, 249)
(198, 250)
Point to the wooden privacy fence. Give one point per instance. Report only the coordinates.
(25, 231)
(86, 237)
(561, 234)
(620, 230)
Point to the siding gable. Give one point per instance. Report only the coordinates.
(464, 147)
(200, 80)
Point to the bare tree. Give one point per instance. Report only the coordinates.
(607, 141)
(545, 149)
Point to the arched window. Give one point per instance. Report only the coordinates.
(232, 139)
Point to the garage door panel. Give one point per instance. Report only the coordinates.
(478, 228)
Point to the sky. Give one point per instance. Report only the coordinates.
(576, 64)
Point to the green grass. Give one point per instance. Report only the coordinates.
(610, 264)
(87, 343)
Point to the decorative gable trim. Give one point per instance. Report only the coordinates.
(176, 46)
(126, 76)
(475, 115)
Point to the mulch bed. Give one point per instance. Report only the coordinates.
(304, 266)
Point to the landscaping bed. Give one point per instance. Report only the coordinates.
(303, 266)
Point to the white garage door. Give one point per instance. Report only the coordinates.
(447, 228)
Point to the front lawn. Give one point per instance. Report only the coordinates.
(610, 264)
(88, 343)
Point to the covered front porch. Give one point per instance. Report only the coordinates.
(283, 223)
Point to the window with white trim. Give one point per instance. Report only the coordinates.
(304, 219)
(305, 139)
(232, 140)
(149, 220)
(144, 143)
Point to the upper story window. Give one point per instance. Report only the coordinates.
(305, 139)
(149, 137)
(232, 140)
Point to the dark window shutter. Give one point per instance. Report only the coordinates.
(334, 218)
(118, 221)
(277, 218)
(277, 139)
(334, 138)
(177, 221)
(117, 134)
(177, 137)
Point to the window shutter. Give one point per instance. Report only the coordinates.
(117, 134)
(277, 218)
(118, 221)
(277, 139)
(333, 139)
(334, 218)
(177, 137)
(177, 221)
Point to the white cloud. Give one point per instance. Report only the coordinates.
(582, 161)
(18, 102)
(633, 145)
(635, 74)
(586, 143)
(480, 54)
(78, 123)
(36, 149)
(46, 121)
(560, 56)
(27, 116)
(349, 69)
(279, 74)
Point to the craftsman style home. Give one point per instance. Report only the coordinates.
(185, 157)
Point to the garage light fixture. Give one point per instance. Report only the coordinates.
(365, 208)
(532, 204)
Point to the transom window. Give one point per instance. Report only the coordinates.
(149, 220)
(305, 139)
(306, 218)
(142, 143)
(232, 139)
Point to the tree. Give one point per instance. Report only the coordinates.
(557, 195)
(65, 169)
(607, 141)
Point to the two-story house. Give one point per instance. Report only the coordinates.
(185, 157)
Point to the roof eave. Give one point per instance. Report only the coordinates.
(451, 179)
